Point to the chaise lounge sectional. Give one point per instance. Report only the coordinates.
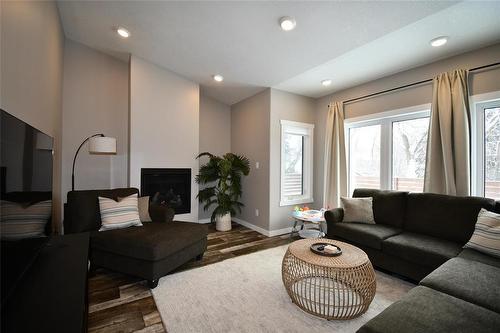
(148, 252)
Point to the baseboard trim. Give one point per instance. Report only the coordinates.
(278, 232)
(260, 230)
(204, 221)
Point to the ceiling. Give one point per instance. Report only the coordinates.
(349, 42)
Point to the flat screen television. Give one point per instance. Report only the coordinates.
(25, 160)
(25, 177)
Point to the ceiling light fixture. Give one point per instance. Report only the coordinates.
(326, 83)
(123, 32)
(218, 78)
(439, 41)
(287, 23)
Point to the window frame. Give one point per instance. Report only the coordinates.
(385, 120)
(307, 131)
(478, 103)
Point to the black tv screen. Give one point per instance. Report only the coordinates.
(25, 161)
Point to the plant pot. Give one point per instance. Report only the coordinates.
(223, 223)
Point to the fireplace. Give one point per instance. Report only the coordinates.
(167, 186)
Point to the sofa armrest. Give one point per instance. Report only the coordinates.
(161, 213)
(335, 215)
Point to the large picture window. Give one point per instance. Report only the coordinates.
(296, 162)
(388, 152)
(486, 149)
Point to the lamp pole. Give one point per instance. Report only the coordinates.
(74, 159)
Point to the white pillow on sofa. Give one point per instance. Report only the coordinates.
(486, 236)
(358, 210)
(119, 214)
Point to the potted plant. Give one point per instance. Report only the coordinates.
(222, 175)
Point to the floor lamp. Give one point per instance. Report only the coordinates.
(98, 144)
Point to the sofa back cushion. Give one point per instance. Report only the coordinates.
(82, 210)
(389, 207)
(444, 216)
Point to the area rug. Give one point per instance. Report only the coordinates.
(246, 294)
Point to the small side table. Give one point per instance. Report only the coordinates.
(302, 219)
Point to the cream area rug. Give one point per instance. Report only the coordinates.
(246, 294)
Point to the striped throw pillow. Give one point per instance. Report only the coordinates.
(486, 236)
(19, 221)
(119, 215)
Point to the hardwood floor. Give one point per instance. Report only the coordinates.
(120, 303)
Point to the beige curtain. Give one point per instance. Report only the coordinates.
(447, 167)
(335, 182)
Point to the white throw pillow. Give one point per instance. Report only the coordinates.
(486, 236)
(18, 221)
(358, 210)
(119, 214)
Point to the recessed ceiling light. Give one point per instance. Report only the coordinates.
(218, 78)
(287, 23)
(123, 32)
(439, 41)
(326, 83)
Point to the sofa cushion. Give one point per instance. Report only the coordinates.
(82, 210)
(119, 214)
(444, 216)
(480, 257)
(370, 235)
(358, 210)
(388, 206)
(153, 241)
(421, 249)
(424, 310)
(469, 280)
(486, 236)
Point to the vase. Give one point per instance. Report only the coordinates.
(223, 223)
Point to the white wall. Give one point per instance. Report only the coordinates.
(215, 134)
(164, 124)
(284, 106)
(31, 57)
(95, 100)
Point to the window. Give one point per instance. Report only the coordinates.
(364, 148)
(296, 162)
(388, 152)
(486, 149)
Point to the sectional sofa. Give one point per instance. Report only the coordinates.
(148, 252)
(421, 236)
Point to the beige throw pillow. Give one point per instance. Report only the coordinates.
(119, 214)
(143, 205)
(486, 236)
(358, 210)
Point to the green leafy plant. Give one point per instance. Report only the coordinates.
(223, 176)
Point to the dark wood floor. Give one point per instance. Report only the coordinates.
(119, 303)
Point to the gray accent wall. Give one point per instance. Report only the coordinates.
(95, 100)
(481, 82)
(215, 134)
(31, 57)
(250, 121)
(293, 107)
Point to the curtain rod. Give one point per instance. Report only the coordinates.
(410, 85)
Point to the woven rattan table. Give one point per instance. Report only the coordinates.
(339, 287)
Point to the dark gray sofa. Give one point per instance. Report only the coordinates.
(148, 252)
(421, 236)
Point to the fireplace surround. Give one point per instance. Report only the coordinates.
(168, 186)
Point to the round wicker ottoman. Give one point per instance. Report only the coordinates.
(339, 287)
